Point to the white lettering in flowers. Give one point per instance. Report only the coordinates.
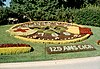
(54, 49)
(70, 48)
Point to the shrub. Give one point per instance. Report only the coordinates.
(88, 16)
(97, 2)
(3, 16)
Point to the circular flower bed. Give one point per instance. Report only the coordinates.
(50, 32)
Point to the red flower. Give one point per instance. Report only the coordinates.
(22, 30)
(85, 30)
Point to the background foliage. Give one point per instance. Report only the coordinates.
(2, 2)
(88, 16)
(80, 11)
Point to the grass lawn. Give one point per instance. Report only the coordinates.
(40, 54)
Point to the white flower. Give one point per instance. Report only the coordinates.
(54, 35)
(75, 35)
(56, 38)
(66, 33)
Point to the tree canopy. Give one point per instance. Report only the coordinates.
(59, 10)
(45, 9)
(2, 2)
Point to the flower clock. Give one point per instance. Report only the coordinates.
(50, 32)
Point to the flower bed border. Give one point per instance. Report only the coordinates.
(14, 50)
(14, 45)
(6, 49)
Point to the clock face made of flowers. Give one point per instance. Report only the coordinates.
(50, 32)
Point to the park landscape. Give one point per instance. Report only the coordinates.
(46, 38)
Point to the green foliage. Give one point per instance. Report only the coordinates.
(88, 16)
(2, 2)
(3, 15)
(52, 10)
(97, 2)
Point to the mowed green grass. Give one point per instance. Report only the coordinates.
(40, 54)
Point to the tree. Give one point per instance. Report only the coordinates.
(76, 3)
(98, 2)
(45, 9)
(35, 9)
(2, 2)
(3, 15)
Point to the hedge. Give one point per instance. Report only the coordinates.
(88, 16)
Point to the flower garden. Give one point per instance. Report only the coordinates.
(50, 32)
(32, 41)
(44, 37)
